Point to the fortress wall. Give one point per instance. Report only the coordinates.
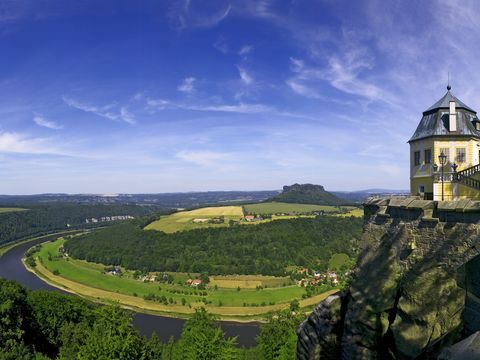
(416, 286)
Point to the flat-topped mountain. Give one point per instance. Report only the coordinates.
(307, 194)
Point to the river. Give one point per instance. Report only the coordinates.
(11, 268)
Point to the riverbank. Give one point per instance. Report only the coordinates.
(88, 280)
(12, 268)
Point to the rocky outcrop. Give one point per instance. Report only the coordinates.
(320, 334)
(415, 289)
(307, 194)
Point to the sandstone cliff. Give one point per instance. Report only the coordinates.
(416, 287)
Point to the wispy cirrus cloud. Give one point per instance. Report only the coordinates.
(13, 142)
(40, 120)
(245, 50)
(108, 111)
(242, 108)
(246, 78)
(184, 14)
(188, 85)
(202, 157)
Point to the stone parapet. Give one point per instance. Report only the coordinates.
(414, 208)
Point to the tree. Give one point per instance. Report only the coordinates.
(294, 305)
(203, 339)
(277, 338)
(112, 337)
(152, 348)
(51, 311)
(13, 310)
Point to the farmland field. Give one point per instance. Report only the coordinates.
(279, 207)
(7, 209)
(183, 220)
(356, 212)
(249, 281)
(90, 280)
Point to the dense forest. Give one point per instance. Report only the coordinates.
(44, 325)
(42, 219)
(265, 249)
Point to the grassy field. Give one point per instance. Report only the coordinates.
(183, 220)
(249, 281)
(279, 207)
(338, 260)
(88, 279)
(6, 247)
(8, 209)
(356, 212)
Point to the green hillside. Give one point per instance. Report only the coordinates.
(307, 194)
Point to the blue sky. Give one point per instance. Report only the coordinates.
(167, 96)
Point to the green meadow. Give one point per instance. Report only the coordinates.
(184, 220)
(338, 260)
(285, 208)
(221, 300)
(9, 209)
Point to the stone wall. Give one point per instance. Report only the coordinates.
(416, 287)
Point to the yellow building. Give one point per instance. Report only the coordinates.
(448, 133)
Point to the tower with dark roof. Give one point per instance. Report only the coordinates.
(451, 129)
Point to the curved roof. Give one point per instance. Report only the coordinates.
(444, 103)
(435, 120)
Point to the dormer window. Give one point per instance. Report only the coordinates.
(476, 123)
(452, 117)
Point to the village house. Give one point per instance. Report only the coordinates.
(196, 282)
(149, 278)
(113, 270)
(333, 277)
(303, 271)
(201, 221)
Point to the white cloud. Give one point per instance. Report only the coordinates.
(187, 85)
(159, 104)
(302, 89)
(296, 65)
(245, 76)
(106, 111)
(42, 121)
(11, 142)
(183, 15)
(162, 104)
(127, 116)
(204, 158)
(138, 96)
(237, 108)
(245, 50)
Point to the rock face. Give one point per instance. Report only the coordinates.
(416, 287)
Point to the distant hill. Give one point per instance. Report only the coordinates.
(307, 194)
(362, 195)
